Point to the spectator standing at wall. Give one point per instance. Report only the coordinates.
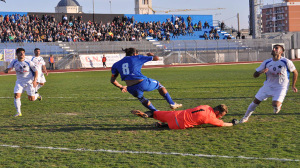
(51, 62)
(104, 61)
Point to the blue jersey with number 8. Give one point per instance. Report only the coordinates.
(130, 67)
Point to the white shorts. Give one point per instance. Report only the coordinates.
(41, 78)
(277, 93)
(21, 87)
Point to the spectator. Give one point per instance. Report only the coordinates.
(189, 20)
(217, 36)
(222, 26)
(190, 30)
(199, 26)
(206, 25)
(211, 36)
(30, 28)
(104, 61)
(51, 62)
(238, 36)
(205, 36)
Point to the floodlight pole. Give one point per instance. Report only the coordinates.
(238, 21)
(274, 17)
(110, 6)
(255, 29)
(93, 11)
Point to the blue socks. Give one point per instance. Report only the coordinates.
(145, 102)
(168, 98)
(150, 107)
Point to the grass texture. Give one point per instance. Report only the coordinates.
(82, 110)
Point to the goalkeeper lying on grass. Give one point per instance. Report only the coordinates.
(188, 118)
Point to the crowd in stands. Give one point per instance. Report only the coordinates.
(32, 28)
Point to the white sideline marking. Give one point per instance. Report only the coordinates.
(148, 152)
(132, 98)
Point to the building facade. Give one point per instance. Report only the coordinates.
(68, 6)
(281, 17)
(143, 7)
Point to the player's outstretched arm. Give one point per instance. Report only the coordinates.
(257, 74)
(295, 77)
(117, 84)
(233, 122)
(227, 124)
(7, 69)
(155, 58)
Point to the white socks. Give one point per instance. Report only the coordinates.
(250, 110)
(38, 87)
(17, 103)
(277, 109)
(36, 96)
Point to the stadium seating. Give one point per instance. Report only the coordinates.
(46, 48)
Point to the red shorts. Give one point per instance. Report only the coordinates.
(167, 117)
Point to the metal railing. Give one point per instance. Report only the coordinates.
(187, 51)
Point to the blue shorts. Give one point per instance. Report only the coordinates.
(148, 84)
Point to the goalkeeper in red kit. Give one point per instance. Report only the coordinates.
(189, 118)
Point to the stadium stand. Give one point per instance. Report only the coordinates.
(21, 27)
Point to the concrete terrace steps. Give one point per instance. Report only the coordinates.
(106, 46)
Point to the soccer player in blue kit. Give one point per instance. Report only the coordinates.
(130, 70)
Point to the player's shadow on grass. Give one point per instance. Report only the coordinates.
(200, 98)
(78, 127)
(217, 87)
(279, 114)
(260, 114)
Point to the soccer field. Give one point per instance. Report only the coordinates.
(84, 121)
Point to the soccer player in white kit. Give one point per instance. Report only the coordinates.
(277, 70)
(26, 79)
(40, 65)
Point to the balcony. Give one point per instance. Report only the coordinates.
(279, 11)
(280, 18)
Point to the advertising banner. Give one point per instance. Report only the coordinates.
(9, 55)
(95, 61)
(1, 55)
(159, 62)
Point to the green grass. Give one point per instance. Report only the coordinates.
(83, 110)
